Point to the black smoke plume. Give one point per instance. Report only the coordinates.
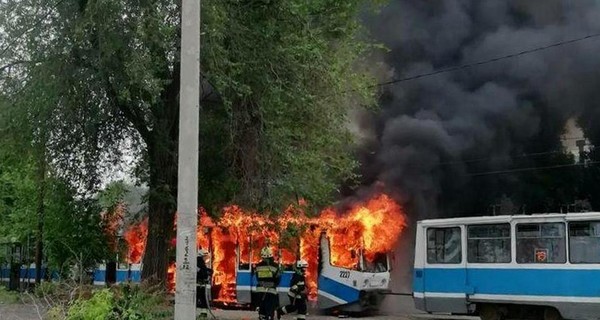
(435, 135)
(441, 143)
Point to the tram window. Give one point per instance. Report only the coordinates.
(541, 243)
(375, 263)
(244, 266)
(584, 242)
(489, 243)
(444, 245)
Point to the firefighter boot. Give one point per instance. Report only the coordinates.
(280, 312)
(203, 315)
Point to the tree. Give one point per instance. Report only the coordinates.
(278, 80)
(16, 206)
(72, 226)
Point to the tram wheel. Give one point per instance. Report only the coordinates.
(490, 312)
(552, 314)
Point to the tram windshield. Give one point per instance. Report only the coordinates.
(377, 263)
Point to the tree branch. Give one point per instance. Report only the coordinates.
(15, 63)
(137, 120)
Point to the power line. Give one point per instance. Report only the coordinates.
(525, 155)
(484, 62)
(531, 169)
(573, 138)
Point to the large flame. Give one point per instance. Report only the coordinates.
(371, 227)
(136, 241)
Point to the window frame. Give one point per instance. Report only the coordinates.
(569, 241)
(565, 241)
(461, 253)
(509, 237)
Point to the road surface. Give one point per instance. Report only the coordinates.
(393, 307)
(399, 308)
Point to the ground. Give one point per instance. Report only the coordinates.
(402, 310)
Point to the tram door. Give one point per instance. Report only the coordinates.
(244, 282)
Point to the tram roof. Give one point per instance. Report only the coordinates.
(538, 217)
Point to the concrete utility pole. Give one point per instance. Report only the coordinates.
(187, 180)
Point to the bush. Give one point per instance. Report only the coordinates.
(8, 296)
(123, 302)
(46, 288)
(98, 307)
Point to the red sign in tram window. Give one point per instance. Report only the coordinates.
(541, 255)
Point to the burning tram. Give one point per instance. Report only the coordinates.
(333, 288)
(347, 253)
(349, 266)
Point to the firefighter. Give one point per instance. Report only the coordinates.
(203, 275)
(298, 293)
(268, 276)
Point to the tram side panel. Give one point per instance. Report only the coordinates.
(419, 270)
(246, 287)
(133, 273)
(440, 274)
(547, 262)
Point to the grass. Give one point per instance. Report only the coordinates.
(8, 297)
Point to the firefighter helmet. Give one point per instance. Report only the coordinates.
(202, 253)
(266, 253)
(301, 264)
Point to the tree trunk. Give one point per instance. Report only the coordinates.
(41, 213)
(162, 144)
(161, 210)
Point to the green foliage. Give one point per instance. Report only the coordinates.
(73, 234)
(98, 307)
(46, 288)
(17, 196)
(55, 313)
(136, 303)
(101, 78)
(119, 303)
(112, 195)
(71, 225)
(8, 297)
(288, 73)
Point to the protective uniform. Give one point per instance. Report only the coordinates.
(268, 276)
(203, 275)
(298, 293)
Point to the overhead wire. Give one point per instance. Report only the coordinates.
(484, 62)
(492, 60)
(532, 169)
(525, 155)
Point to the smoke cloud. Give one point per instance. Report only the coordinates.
(430, 128)
(434, 133)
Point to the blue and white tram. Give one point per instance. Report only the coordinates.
(350, 290)
(545, 266)
(339, 289)
(124, 273)
(26, 273)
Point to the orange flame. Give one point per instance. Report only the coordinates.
(372, 227)
(171, 277)
(136, 241)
